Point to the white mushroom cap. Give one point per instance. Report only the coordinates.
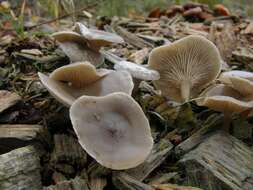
(137, 71)
(120, 81)
(112, 129)
(76, 48)
(97, 38)
(242, 81)
(79, 74)
(185, 66)
(224, 99)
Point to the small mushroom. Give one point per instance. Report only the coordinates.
(120, 81)
(185, 66)
(79, 74)
(242, 81)
(97, 38)
(112, 129)
(76, 48)
(137, 71)
(225, 99)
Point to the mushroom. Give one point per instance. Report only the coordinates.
(242, 81)
(76, 48)
(97, 38)
(120, 81)
(225, 99)
(79, 74)
(185, 66)
(138, 72)
(112, 129)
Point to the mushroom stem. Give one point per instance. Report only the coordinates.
(185, 90)
(226, 121)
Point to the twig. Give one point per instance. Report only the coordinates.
(60, 17)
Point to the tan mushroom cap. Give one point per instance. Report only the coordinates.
(120, 81)
(97, 38)
(242, 81)
(224, 99)
(76, 48)
(112, 129)
(78, 74)
(185, 66)
(225, 76)
(244, 86)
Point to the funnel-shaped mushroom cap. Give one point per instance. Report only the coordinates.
(137, 71)
(242, 81)
(120, 81)
(76, 48)
(112, 129)
(224, 99)
(78, 74)
(97, 38)
(185, 66)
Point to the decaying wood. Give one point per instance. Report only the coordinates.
(174, 187)
(96, 170)
(243, 56)
(162, 178)
(73, 184)
(97, 175)
(16, 136)
(159, 153)
(212, 124)
(222, 34)
(132, 39)
(8, 99)
(20, 169)
(220, 162)
(123, 181)
(97, 183)
(68, 150)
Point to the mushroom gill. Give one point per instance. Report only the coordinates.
(185, 66)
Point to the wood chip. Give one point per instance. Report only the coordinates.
(159, 153)
(73, 184)
(20, 169)
(174, 187)
(223, 161)
(139, 56)
(249, 29)
(32, 52)
(68, 150)
(8, 99)
(126, 182)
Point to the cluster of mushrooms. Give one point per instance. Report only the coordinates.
(109, 123)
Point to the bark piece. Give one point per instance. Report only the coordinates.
(220, 162)
(213, 123)
(158, 154)
(244, 56)
(20, 169)
(169, 186)
(123, 181)
(74, 184)
(68, 150)
(132, 39)
(16, 136)
(97, 183)
(8, 99)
